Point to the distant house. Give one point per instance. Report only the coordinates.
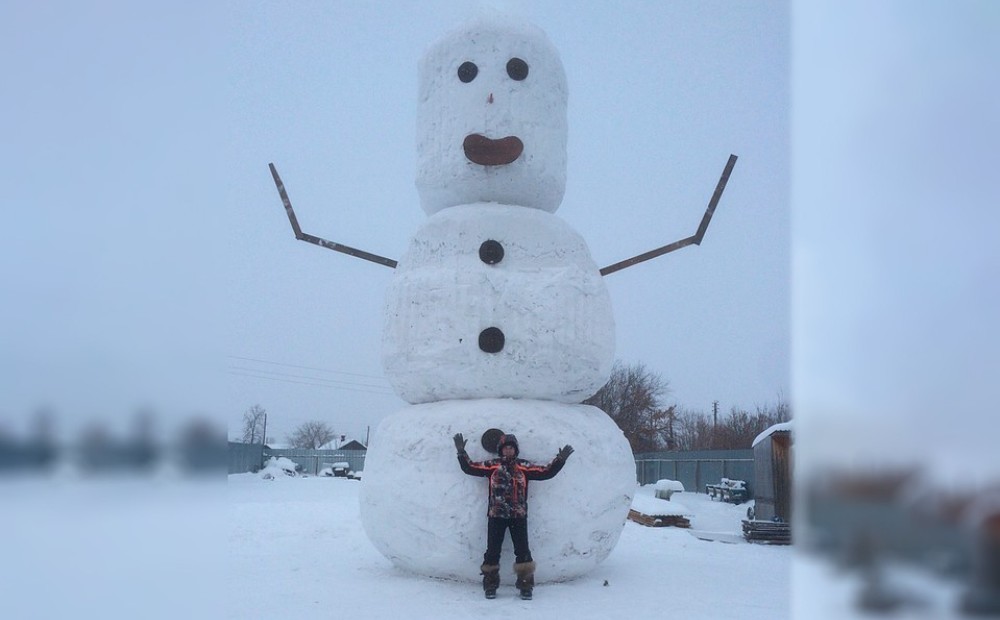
(353, 445)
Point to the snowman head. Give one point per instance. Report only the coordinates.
(491, 121)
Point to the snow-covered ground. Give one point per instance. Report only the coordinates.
(162, 545)
(822, 590)
(297, 549)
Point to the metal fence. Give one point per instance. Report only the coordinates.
(251, 457)
(312, 461)
(695, 469)
(244, 457)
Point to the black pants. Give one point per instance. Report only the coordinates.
(495, 530)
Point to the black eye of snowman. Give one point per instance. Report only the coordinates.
(467, 71)
(491, 340)
(517, 69)
(491, 252)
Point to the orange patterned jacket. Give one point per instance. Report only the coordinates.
(509, 482)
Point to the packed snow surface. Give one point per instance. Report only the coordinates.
(669, 485)
(278, 466)
(428, 517)
(297, 549)
(495, 105)
(546, 295)
(656, 507)
(496, 317)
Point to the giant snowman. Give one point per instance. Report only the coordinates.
(496, 318)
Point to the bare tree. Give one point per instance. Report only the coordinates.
(694, 430)
(633, 398)
(254, 424)
(312, 435)
(697, 430)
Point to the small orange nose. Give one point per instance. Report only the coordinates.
(490, 99)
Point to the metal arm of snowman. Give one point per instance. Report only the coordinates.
(693, 239)
(330, 245)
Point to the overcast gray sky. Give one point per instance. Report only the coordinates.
(154, 264)
(146, 259)
(896, 347)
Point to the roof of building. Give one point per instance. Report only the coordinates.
(782, 426)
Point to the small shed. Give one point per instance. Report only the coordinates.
(772, 455)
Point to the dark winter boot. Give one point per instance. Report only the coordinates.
(491, 579)
(525, 572)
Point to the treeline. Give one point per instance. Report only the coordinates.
(634, 398)
(698, 430)
(311, 435)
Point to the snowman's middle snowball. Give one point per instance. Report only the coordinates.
(546, 296)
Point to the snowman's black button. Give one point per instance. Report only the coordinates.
(491, 252)
(467, 71)
(491, 340)
(491, 439)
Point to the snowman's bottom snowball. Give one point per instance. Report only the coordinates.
(426, 516)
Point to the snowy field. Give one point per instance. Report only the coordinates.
(825, 591)
(297, 550)
(163, 546)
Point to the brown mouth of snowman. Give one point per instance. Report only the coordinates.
(488, 152)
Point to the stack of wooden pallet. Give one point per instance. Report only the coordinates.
(659, 520)
(771, 532)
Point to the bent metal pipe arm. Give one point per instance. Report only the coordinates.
(694, 239)
(330, 245)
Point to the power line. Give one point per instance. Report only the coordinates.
(326, 385)
(286, 374)
(338, 372)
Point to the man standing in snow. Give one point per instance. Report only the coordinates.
(508, 507)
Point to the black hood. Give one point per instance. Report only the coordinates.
(508, 440)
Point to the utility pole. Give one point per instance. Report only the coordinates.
(715, 424)
(263, 440)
